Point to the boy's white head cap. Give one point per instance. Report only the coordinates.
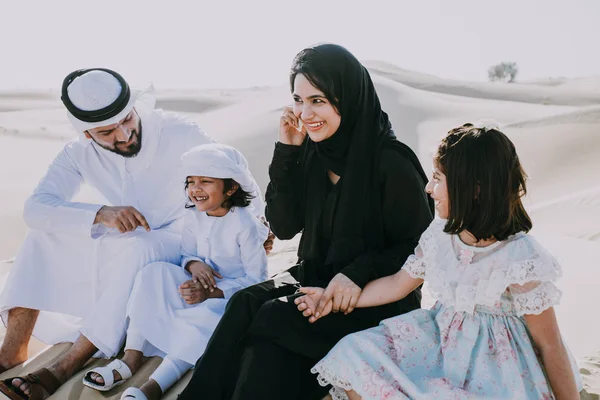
(221, 161)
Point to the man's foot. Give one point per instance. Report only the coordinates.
(39, 385)
(25, 387)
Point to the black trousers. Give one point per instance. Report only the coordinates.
(263, 347)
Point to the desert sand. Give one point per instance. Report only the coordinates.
(555, 124)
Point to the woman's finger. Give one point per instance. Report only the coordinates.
(307, 313)
(286, 120)
(352, 304)
(345, 303)
(337, 301)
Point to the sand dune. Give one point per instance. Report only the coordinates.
(561, 94)
(553, 122)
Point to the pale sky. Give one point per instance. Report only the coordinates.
(220, 43)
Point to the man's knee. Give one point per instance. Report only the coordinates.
(156, 268)
(137, 251)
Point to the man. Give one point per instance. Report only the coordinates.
(73, 276)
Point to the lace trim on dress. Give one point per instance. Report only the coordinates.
(415, 267)
(416, 264)
(326, 378)
(517, 261)
(537, 300)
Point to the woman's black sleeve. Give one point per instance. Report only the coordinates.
(284, 195)
(407, 212)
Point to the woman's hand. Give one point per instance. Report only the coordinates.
(342, 292)
(192, 292)
(203, 273)
(307, 304)
(290, 131)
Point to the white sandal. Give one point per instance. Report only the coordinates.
(133, 394)
(107, 374)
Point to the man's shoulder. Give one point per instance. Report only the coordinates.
(77, 146)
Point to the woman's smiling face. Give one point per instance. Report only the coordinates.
(314, 110)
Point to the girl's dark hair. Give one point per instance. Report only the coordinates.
(314, 68)
(240, 198)
(485, 183)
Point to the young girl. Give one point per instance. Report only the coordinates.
(174, 309)
(493, 332)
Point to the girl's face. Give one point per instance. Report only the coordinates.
(207, 194)
(313, 109)
(437, 189)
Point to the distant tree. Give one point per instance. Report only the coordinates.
(505, 72)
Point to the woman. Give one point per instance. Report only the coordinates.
(341, 178)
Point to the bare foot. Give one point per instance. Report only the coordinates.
(25, 386)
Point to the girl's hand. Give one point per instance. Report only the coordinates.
(203, 273)
(307, 304)
(192, 292)
(290, 130)
(344, 294)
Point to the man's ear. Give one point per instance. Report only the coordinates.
(87, 135)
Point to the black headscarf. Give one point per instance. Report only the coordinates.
(351, 153)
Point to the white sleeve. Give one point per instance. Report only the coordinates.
(531, 279)
(534, 297)
(49, 208)
(189, 248)
(254, 261)
(416, 264)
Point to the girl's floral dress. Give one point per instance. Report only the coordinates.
(473, 343)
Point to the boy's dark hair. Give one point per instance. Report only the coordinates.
(240, 198)
(485, 183)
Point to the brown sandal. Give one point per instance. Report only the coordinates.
(38, 381)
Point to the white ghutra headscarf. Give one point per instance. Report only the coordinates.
(100, 97)
(221, 161)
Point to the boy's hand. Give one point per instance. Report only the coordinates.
(203, 273)
(192, 292)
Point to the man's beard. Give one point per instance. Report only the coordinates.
(133, 149)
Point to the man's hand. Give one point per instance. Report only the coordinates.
(125, 219)
(342, 292)
(307, 304)
(204, 274)
(192, 292)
